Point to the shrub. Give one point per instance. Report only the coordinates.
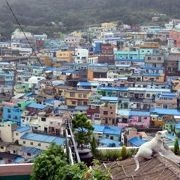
(176, 146)
(124, 153)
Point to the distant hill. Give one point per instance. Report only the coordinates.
(38, 15)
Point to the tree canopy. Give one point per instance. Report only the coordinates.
(52, 165)
(83, 129)
(66, 15)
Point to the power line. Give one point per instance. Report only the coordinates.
(19, 24)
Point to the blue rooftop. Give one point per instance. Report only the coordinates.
(107, 98)
(151, 74)
(88, 84)
(23, 129)
(36, 106)
(113, 88)
(160, 111)
(109, 143)
(136, 141)
(124, 112)
(98, 128)
(139, 113)
(152, 68)
(31, 150)
(43, 138)
(112, 130)
(168, 95)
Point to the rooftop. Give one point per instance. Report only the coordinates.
(37, 106)
(136, 141)
(23, 129)
(165, 111)
(157, 168)
(113, 130)
(88, 84)
(43, 138)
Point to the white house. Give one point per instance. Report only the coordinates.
(81, 55)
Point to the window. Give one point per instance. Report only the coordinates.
(31, 143)
(105, 112)
(2, 147)
(9, 110)
(24, 142)
(17, 134)
(149, 58)
(28, 154)
(72, 94)
(112, 138)
(110, 107)
(74, 102)
(43, 119)
(39, 144)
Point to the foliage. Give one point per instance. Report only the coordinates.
(83, 129)
(69, 15)
(52, 165)
(124, 153)
(109, 155)
(113, 155)
(176, 146)
(94, 147)
(48, 163)
(75, 171)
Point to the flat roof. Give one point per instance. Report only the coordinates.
(43, 138)
(165, 111)
(36, 106)
(88, 84)
(107, 98)
(23, 129)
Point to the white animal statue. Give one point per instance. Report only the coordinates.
(151, 148)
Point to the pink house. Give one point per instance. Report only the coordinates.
(140, 121)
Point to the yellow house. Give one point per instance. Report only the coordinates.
(77, 97)
(64, 56)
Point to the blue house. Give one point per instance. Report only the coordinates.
(136, 142)
(108, 136)
(11, 112)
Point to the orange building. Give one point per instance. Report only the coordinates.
(64, 56)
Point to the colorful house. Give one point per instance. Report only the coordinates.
(139, 119)
(133, 54)
(11, 112)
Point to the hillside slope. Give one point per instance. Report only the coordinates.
(78, 13)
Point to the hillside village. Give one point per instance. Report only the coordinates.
(126, 79)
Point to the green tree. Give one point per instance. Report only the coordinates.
(176, 146)
(94, 147)
(52, 165)
(83, 129)
(124, 153)
(48, 163)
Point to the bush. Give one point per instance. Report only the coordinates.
(94, 147)
(124, 153)
(52, 165)
(176, 146)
